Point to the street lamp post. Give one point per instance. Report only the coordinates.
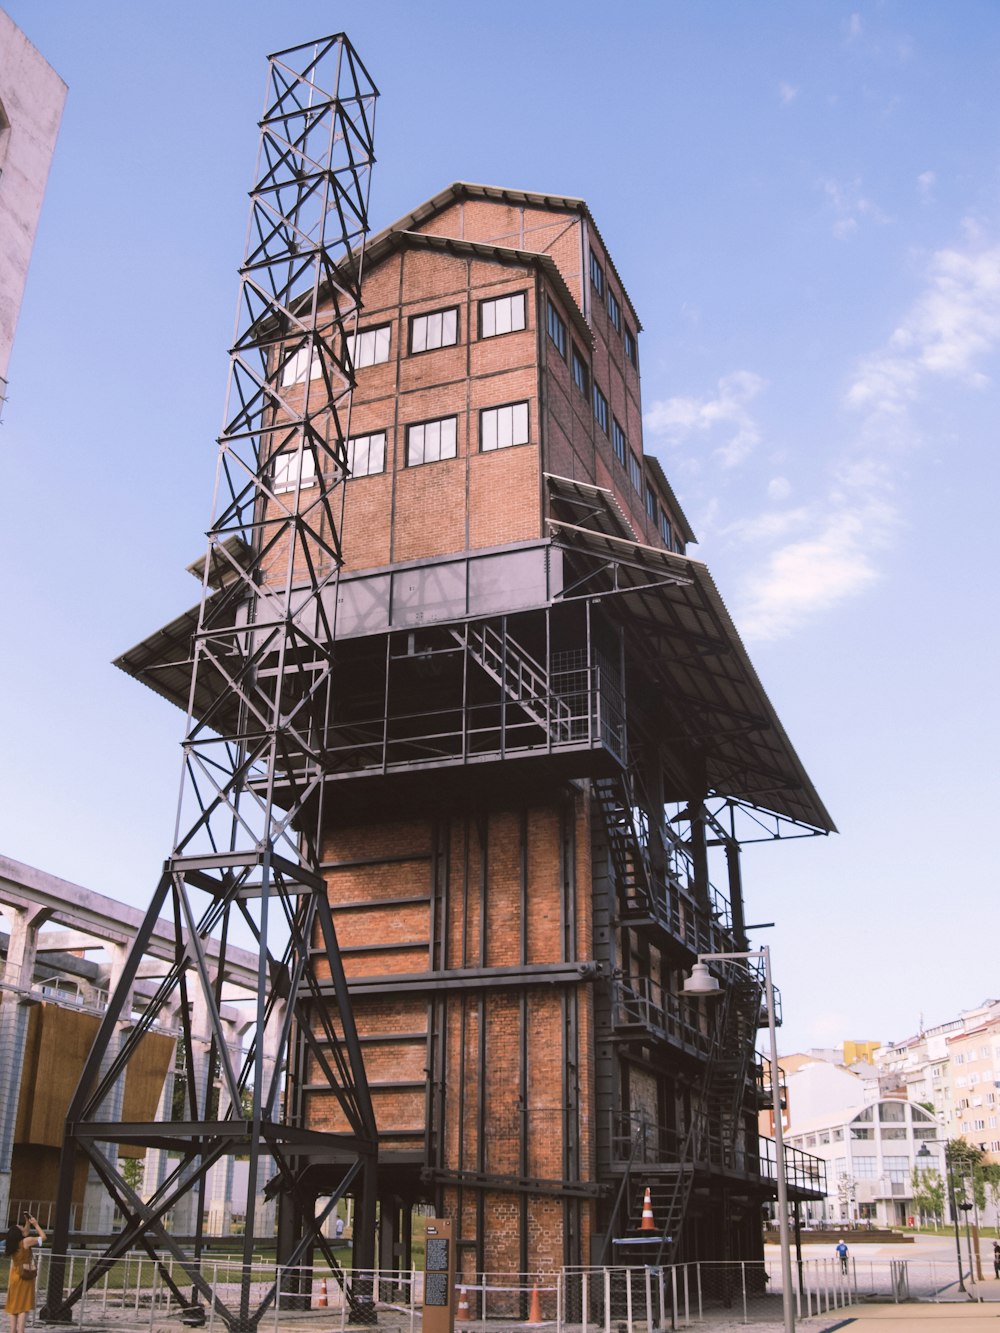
(926, 1154)
(701, 982)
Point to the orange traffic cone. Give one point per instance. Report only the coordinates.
(535, 1308)
(647, 1223)
(462, 1315)
(321, 1301)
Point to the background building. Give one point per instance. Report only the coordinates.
(547, 745)
(31, 104)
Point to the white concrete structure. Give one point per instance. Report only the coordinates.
(31, 104)
(870, 1154)
(64, 946)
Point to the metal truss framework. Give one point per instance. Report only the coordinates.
(246, 853)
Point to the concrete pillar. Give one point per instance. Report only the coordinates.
(186, 1211)
(157, 1159)
(98, 1205)
(15, 1002)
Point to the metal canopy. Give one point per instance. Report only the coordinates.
(694, 649)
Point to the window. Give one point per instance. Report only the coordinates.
(600, 409)
(979, 1124)
(635, 471)
(556, 328)
(630, 351)
(959, 1058)
(650, 503)
(862, 1132)
(893, 1132)
(430, 441)
(665, 531)
(864, 1167)
(503, 315)
(366, 454)
(984, 1052)
(614, 311)
(897, 1169)
(287, 468)
(892, 1113)
(305, 361)
(581, 377)
(618, 440)
(370, 347)
(437, 330)
(500, 427)
(596, 274)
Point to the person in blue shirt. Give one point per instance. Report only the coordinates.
(842, 1252)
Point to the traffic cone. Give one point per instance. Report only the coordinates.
(321, 1301)
(535, 1308)
(462, 1315)
(647, 1223)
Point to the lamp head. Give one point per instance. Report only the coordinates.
(701, 981)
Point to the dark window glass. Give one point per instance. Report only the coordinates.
(635, 472)
(666, 532)
(556, 328)
(596, 274)
(600, 409)
(650, 502)
(614, 311)
(618, 440)
(630, 351)
(581, 376)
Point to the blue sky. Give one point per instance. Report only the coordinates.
(803, 200)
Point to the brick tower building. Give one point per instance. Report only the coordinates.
(548, 745)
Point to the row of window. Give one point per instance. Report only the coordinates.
(437, 328)
(604, 291)
(609, 424)
(426, 442)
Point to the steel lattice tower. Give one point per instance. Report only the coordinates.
(246, 844)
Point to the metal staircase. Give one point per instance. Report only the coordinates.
(524, 681)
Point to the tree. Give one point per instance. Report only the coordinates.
(967, 1170)
(928, 1193)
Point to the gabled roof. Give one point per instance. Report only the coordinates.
(386, 242)
(467, 190)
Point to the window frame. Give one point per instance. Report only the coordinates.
(283, 462)
(553, 317)
(361, 333)
(502, 407)
(371, 435)
(430, 421)
(619, 440)
(597, 275)
(582, 381)
(495, 300)
(426, 315)
(602, 413)
(635, 472)
(631, 346)
(614, 311)
(650, 503)
(665, 528)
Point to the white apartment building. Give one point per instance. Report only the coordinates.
(870, 1154)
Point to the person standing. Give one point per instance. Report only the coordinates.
(842, 1254)
(996, 1258)
(23, 1270)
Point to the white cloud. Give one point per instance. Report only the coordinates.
(950, 331)
(779, 488)
(854, 27)
(850, 206)
(787, 92)
(679, 417)
(925, 184)
(806, 577)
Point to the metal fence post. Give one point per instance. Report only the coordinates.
(584, 1300)
(607, 1300)
(743, 1284)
